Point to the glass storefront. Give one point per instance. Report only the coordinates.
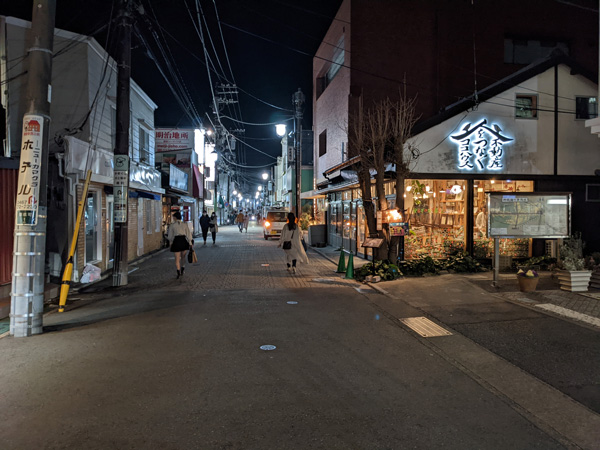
(483, 247)
(436, 212)
(91, 227)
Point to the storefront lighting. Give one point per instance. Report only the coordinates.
(456, 189)
(234, 192)
(557, 201)
(493, 181)
(425, 196)
(404, 195)
(394, 216)
(260, 188)
(427, 188)
(408, 188)
(479, 189)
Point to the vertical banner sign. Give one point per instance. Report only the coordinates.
(30, 170)
(120, 187)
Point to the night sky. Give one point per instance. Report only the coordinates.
(269, 44)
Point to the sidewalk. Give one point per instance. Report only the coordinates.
(549, 298)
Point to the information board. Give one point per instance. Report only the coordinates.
(529, 215)
(120, 185)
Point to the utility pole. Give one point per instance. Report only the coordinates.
(298, 101)
(121, 158)
(29, 255)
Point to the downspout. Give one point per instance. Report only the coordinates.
(555, 119)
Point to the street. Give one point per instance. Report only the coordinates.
(172, 364)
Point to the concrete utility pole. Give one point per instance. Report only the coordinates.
(121, 159)
(298, 101)
(29, 255)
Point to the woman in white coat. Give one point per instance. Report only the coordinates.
(291, 232)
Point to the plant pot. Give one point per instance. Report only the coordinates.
(528, 284)
(574, 280)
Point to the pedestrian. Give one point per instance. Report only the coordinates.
(205, 225)
(292, 233)
(246, 221)
(214, 227)
(180, 237)
(240, 220)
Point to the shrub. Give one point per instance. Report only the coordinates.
(463, 263)
(386, 270)
(425, 265)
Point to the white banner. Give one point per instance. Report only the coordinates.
(120, 188)
(30, 170)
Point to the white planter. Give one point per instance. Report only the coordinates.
(574, 280)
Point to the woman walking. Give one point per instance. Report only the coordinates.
(213, 227)
(292, 233)
(180, 238)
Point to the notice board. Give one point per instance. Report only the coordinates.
(529, 215)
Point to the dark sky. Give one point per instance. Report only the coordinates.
(269, 44)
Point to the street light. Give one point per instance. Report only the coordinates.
(265, 175)
(280, 129)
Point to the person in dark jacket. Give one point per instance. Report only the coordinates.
(204, 224)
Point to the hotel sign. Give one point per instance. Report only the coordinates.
(480, 146)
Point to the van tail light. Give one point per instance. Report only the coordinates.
(267, 224)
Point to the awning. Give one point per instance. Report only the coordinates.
(133, 194)
(198, 183)
(310, 195)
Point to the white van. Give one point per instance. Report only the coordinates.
(274, 221)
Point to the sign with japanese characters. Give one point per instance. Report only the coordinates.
(120, 188)
(481, 146)
(529, 215)
(398, 228)
(28, 190)
(173, 139)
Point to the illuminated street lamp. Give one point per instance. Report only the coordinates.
(265, 175)
(280, 130)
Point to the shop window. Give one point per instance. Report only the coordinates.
(526, 106)
(586, 108)
(144, 146)
(323, 143)
(483, 247)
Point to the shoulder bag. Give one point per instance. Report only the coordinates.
(287, 245)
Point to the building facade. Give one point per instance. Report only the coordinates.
(403, 47)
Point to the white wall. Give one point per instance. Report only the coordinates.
(532, 151)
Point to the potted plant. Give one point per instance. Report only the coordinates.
(574, 276)
(528, 280)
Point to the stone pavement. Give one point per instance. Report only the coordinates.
(583, 307)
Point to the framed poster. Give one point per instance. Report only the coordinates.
(529, 215)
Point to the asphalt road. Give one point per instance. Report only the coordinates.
(176, 364)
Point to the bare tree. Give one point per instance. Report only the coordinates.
(378, 135)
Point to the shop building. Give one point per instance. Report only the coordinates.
(372, 53)
(525, 133)
(83, 130)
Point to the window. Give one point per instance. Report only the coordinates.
(344, 151)
(337, 61)
(526, 106)
(144, 146)
(526, 51)
(323, 143)
(586, 108)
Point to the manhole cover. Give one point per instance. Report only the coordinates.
(267, 347)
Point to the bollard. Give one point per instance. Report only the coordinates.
(341, 268)
(350, 269)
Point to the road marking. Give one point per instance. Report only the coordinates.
(292, 303)
(569, 313)
(425, 327)
(267, 347)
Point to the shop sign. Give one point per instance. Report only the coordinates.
(398, 228)
(178, 179)
(120, 188)
(173, 139)
(30, 169)
(480, 146)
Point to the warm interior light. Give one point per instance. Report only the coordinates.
(492, 181)
(427, 188)
(479, 189)
(408, 188)
(456, 189)
(394, 215)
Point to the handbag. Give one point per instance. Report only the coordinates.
(192, 258)
(303, 243)
(287, 245)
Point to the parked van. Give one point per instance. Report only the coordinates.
(274, 221)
